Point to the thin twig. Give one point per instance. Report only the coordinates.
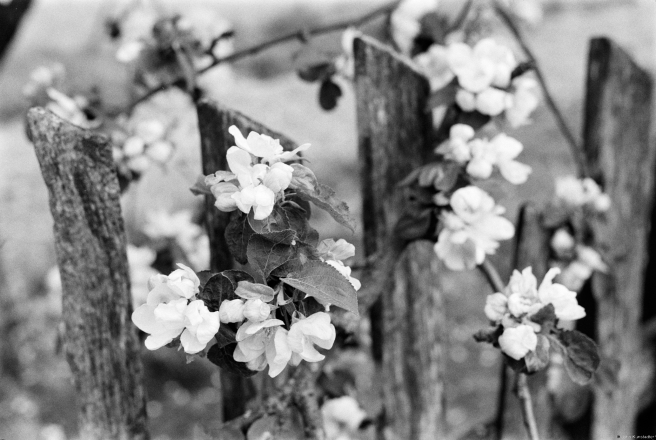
(524, 396)
(300, 35)
(492, 275)
(576, 150)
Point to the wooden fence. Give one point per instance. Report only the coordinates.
(394, 137)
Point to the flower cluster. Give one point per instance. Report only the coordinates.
(45, 89)
(485, 78)
(262, 338)
(139, 145)
(258, 175)
(171, 311)
(516, 307)
(405, 22)
(573, 193)
(480, 156)
(472, 229)
(334, 252)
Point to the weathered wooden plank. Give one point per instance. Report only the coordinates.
(213, 122)
(100, 341)
(621, 158)
(395, 137)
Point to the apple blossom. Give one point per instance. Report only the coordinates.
(256, 310)
(575, 193)
(525, 99)
(201, 326)
(466, 100)
(183, 281)
(496, 305)
(516, 342)
(434, 64)
(472, 230)
(564, 300)
(492, 101)
(332, 252)
(341, 416)
(562, 242)
(304, 333)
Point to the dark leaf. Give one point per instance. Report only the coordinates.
(475, 119)
(521, 69)
(328, 94)
(237, 234)
(222, 356)
(204, 276)
(225, 336)
(276, 221)
(491, 336)
(538, 359)
(301, 254)
(221, 287)
(305, 183)
(546, 317)
(199, 188)
(581, 355)
(297, 221)
(267, 253)
(323, 282)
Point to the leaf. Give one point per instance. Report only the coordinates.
(539, 358)
(276, 221)
(204, 276)
(267, 253)
(491, 336)
(546, 317)
(225, 336)
(522, 68)
(475, 119)
(297, 220)
(581, 355)
(323, 282)
(222, 357)
(328, 94)
(305, 183)
(221, 287)
(302, 253)
(237, 234)
(444, 96)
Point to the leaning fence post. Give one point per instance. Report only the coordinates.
(394, 138)
(213, 122)
(100, 341)
(621, 157)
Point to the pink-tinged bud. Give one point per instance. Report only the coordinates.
(231, 311)
(256, 310)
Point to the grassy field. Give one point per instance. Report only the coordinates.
(266, 89)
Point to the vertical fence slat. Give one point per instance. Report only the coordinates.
(394, 137)
(213, 122)
(100, 341)
(621, 158)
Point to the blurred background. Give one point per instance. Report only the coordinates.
(37, 398)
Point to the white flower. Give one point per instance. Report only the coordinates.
(278, 352)
(259, 198)
(496, 305)
(304, 333)
(458, 147)
(525, 99)
(483, 159)
(507, 149)
(134, 146)
(335, 250)
(129, 51)
(140, 260)
(262, 343)
(434, 64)
(486, 64)
(562, 242)
(278, 177)
(183, 281)
(201, 326)
(263, 146)
(601, 203)
(231, 311)
(492, 101)
(341, 416)
(591, 258)
(405, 21)
(575, 275)
(256, 310)
(223, 193)
(516, 342)
(564, 300)
(575, 193)
(160, 151)
(138, 164)
(479, 228)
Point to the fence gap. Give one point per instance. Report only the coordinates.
(621, 157)
(100, 342)
(395, 137)
(213, 122)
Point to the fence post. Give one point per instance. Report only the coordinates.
(620, 156)
(213, 122)
(395, 137)
(100, 342)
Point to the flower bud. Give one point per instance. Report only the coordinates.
(479, 169)
(466, 100)
(160, 151)
(491, 101)
(256, 310)
(278, 177)
(134, 146)
(231, 311)
(223, 192)
(496, 306)
(601, 203)
(461, 131)
(562, 242)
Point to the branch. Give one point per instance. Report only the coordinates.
(576, 150)
(305, 399)
(524, 396)
(300, 35)
(501, 401)
(492, 275)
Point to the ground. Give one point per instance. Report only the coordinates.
(265, 89)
